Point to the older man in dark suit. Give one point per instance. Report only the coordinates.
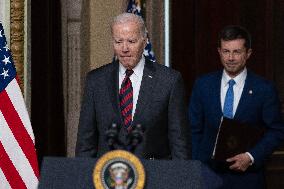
(129, 91)
(239, 94)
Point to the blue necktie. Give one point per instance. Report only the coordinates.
(229, 101)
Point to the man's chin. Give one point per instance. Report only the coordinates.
(128, 65)
(231, 68)
(126, 60)
(233, 72)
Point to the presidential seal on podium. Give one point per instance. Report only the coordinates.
(119, 169)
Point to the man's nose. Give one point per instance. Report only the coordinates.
(231, 56)
(125, 47)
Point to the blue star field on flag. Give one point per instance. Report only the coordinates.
(134, 6)
(7, 68)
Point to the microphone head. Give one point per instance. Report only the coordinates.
(112, 133)
(114, 126)
(139, 127)
(136, 135)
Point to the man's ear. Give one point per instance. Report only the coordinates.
(249, 53)
(145, 42)
(219, 50)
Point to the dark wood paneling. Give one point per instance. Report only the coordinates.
(195, 28)
(278, 46)
(254, 16)
(183, 40)
(211, 17)
(278, 49)
(275, 171)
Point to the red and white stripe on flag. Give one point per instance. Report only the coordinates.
(18, 160)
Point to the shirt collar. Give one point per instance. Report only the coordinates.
(239, 79)
(137, 70)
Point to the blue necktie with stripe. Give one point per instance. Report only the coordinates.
(229, 101)
(126, 100)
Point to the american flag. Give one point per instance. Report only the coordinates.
(134, 6)
(18, 160)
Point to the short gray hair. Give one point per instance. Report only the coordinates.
(130, 17)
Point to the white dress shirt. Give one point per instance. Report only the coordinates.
(238, 88)
(135, 78)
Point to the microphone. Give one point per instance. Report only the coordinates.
(112, 135)
(136, 136)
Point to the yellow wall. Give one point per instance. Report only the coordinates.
(101, 14)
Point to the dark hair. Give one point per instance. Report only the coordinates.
(232, 32)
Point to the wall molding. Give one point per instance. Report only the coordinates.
(17, 37)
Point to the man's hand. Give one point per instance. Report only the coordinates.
(240, 162)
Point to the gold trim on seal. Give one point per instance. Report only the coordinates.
(118, 155)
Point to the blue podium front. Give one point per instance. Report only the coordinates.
(77, 173)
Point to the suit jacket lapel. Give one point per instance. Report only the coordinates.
(146, 90)
(245, 96)
(217, 109)
(113, 88)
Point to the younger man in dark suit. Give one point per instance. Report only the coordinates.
(130, 91)
(239, 94)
